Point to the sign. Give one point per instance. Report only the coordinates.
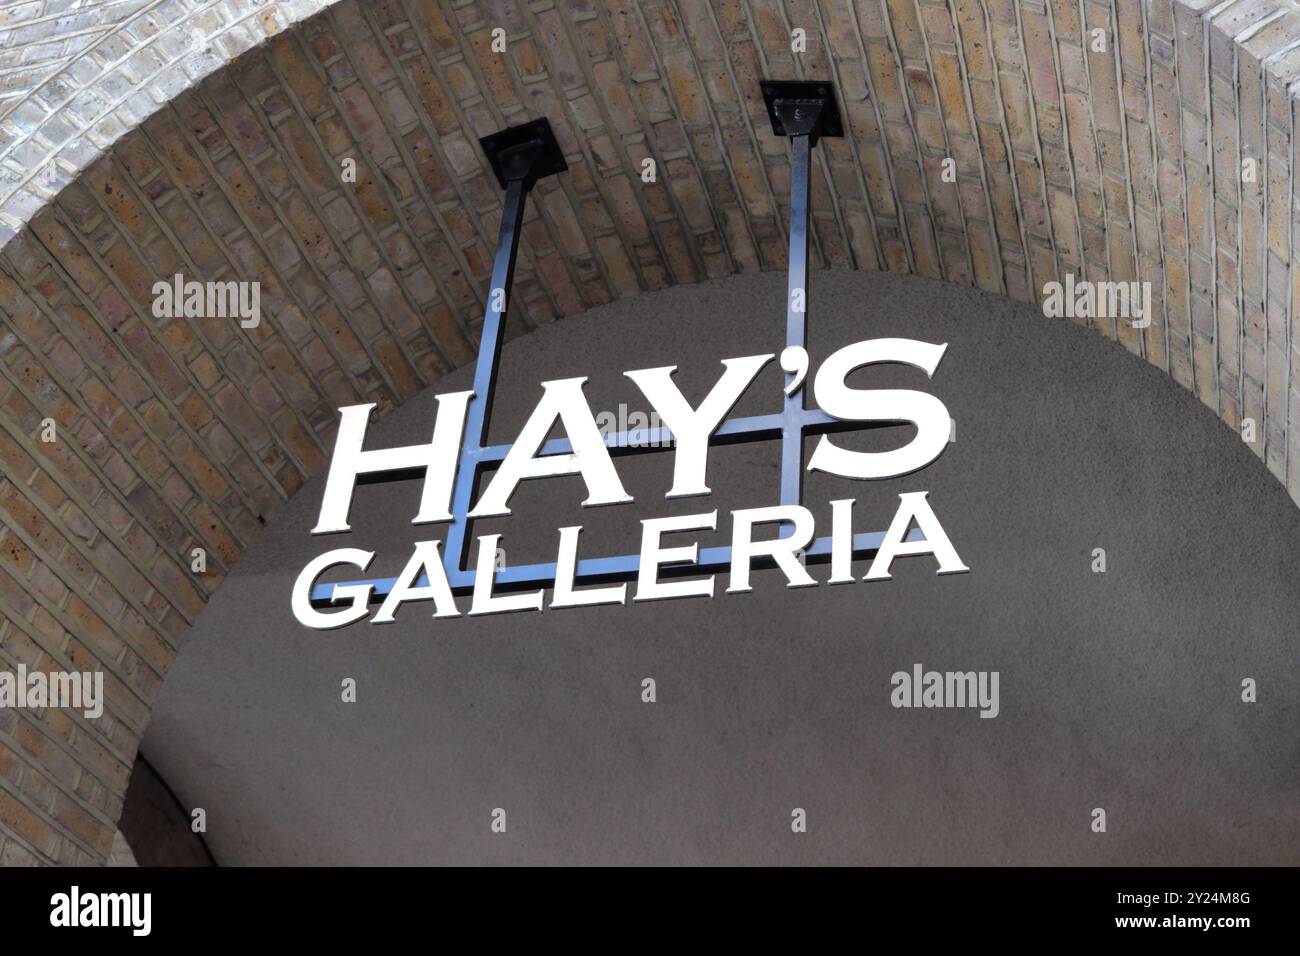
(451, 463)
(430, 574)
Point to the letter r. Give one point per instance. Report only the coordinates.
(437, 460)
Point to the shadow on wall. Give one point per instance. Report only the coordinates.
(156, 827)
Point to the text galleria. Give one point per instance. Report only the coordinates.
(424, 577)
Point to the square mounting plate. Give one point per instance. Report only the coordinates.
(811, 91)
(528, 151)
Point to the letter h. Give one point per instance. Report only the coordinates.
(437, 460)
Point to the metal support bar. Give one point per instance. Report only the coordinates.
(624, 567)
(520, 156)
(796, 327)
(804, 112)
(485, 372)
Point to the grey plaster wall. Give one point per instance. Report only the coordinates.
(1118, 690)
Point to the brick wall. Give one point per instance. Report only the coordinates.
(1114, 155)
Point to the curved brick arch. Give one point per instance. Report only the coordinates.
(75, 77)
(1118, 163)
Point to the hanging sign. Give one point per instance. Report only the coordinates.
(452, 462)
(434, 573)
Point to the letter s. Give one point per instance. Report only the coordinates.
(930, 416)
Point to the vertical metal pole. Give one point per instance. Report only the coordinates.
(485, 371)
(796, 325)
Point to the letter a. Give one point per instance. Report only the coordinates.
(912, 505)
(562, 399)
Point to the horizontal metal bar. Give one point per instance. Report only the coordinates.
(623, 567)
(813, 421)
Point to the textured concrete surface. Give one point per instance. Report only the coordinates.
(1118, 690)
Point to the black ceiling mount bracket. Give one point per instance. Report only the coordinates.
(524, 153)
(802, 108)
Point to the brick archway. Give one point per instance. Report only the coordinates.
(1116, 155)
